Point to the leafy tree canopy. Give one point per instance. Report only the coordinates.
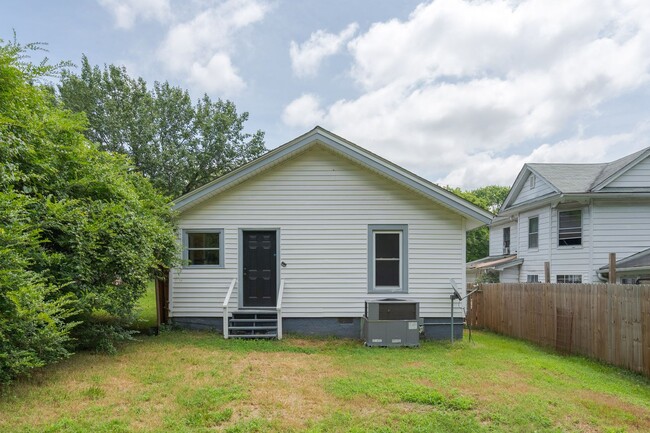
(489, 198)
(178, 145)
(81, 232)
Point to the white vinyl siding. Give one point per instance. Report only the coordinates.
(534, 258)
(541, 189)
(620, 227)
(323, 203)
(496, 239)
(636, 177)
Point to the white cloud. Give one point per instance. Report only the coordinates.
(478, 168)
(303, 112)
(307, 57)
(201, 47)
(127, 11)
(460, 81)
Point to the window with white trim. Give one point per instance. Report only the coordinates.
(533, 232)
(506, 240)
(203, 247)
(531, 181)
(388, 252)
(569, 279)
(570, 227)
(532, 278)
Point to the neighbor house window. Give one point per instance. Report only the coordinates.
(203, 247)
(533, 232)
(532, 278)
(570, 227)
(569, 279)
(506, 240)
(629, 281)
(532, 180)
(387, 258)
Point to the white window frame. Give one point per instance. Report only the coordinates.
(186, 249)
(535, 233)
(569, 279)
(559, 229)
(503, 235)
(402, 230)
(532, 278)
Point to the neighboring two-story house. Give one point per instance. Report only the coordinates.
(572, 216)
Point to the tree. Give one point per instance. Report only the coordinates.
(177, 145)
(81, 232)
(489, 198)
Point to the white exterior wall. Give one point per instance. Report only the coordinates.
(496, 238)
(571, 260)
(621, 228)
(509, 275)
(322, 205)
(534, 258)
(527, 193)
(636, 177)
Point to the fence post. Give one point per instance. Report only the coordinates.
(612, 268)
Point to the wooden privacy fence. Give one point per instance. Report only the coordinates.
(604, 321)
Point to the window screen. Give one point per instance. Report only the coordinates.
(570, 227)
(203, 248)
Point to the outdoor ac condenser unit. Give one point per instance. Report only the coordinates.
(391, 323)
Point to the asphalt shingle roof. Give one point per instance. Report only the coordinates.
(581, 178)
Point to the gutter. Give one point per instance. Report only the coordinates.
(602, 272)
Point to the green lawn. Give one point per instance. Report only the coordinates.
(198, 382)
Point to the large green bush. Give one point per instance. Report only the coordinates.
(82, 231)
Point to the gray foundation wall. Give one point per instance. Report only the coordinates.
(434, 328)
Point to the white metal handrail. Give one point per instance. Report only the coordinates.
(225, 307)
(278, 308)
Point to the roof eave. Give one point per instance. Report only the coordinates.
(476, 216)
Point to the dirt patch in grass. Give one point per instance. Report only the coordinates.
(615, 410)
(283, 385)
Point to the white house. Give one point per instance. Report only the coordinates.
(572, 216)
(312, 230)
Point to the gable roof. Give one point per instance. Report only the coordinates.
(640, 260)
(576, 178)
(320, 136)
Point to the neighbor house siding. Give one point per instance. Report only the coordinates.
(636, 177)
(571, 260)
(496, 238)
(534, 258)
(541, 189)
(322, 205)
(620, 228)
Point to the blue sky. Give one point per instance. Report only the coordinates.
(462, 93)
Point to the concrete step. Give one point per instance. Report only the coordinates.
(253, 336)
(251, 328)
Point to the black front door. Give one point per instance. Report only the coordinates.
(259, 272)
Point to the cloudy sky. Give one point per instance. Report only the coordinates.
(460, 92)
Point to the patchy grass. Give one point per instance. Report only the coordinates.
(198, 382)
(146, 310)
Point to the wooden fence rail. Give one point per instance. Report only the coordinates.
(604, 321)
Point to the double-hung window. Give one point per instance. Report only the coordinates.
(533, 232)
(387, 258)
(569, 279)
(570, 227)
(506, 240)
(203, 247)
